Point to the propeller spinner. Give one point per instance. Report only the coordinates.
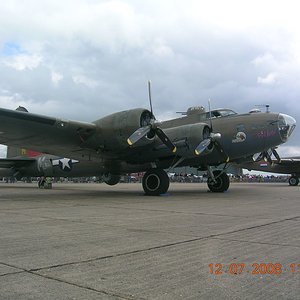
(152, 128)
(211, 139)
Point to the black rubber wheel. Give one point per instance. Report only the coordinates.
(222, 182)
(155, 182)
(293, 180)
(111, 179)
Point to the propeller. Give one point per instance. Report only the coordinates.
(206, 142)
(211, 139)
(258, 156)
(275, 153)
(210, 136)
(138, 134)
(267, 156)
(152, 127)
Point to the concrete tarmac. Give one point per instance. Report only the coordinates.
(93, 241)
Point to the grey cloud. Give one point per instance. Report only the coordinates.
(104, 63)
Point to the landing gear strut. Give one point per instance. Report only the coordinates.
(218, 182)
(155, 182)
(293, 180)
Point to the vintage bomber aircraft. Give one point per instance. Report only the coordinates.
(133, 141)
(287, 165)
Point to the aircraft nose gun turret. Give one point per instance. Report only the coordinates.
(286, 125)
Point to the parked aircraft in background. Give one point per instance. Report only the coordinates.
(288, 165)
(134, 141)
(27, 163)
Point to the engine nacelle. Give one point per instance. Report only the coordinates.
(44, 166)
(41, 167)
(188, 137)
(114, 130)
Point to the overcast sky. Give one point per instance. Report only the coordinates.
(83, 59)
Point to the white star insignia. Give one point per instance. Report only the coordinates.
(64, 163)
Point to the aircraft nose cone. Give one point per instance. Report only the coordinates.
(286, 125)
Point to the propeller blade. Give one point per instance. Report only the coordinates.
(149, 94)
(258, 156)
(138, 134)
(267, 155)
(202, 146)
(275, 153)
(164, 138)
(152, 127)
(210, 122)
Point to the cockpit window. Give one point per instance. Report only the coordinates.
(220, 113)
(286, 125)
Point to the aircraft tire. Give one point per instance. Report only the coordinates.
(222, 182)
(293, 181)
(155, 182)
(111, 179)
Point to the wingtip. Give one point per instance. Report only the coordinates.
(174, 150)
(129, 142)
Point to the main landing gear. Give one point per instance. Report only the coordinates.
(156, 181)
(293, 180)
(111, 179)
(218, 181)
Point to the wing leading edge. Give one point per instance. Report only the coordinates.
(45, 134)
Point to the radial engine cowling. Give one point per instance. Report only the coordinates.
(114, 130)
(44, 166)
(187, 137)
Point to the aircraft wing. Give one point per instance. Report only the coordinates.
(15, 162)
(45, 134)
(285, 166)
(290, 161)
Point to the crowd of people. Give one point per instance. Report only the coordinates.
(174, 177)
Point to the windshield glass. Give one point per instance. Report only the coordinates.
(286, 125)
(220, 113)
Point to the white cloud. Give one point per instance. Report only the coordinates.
(288, 151)
(270, 79)
(11, 102)
(81, 79)
(83, 59)
(56, 77)
(23, 61)
(160, 49)
(266, 58)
